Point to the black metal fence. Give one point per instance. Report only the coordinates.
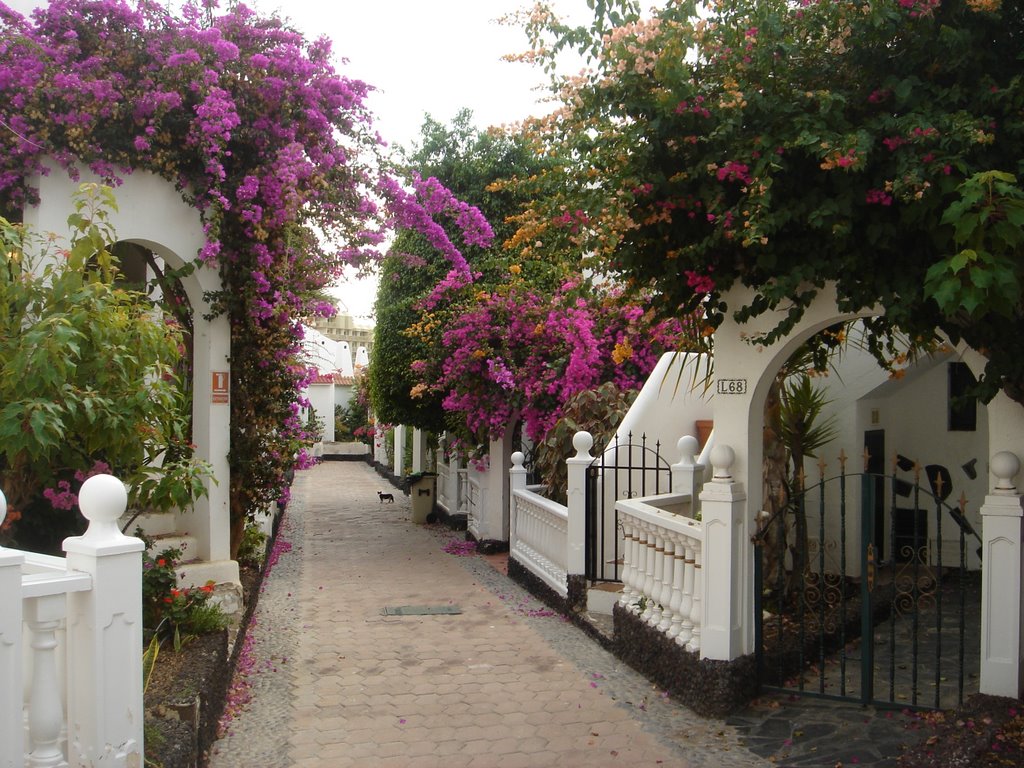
(623, 470)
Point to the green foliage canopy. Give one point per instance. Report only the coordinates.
(472, 164)
(783, 145)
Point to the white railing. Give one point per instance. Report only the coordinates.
(443, 479)
(71, 644)
(661, 573)
(540, 531)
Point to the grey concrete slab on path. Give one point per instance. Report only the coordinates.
(327, 679)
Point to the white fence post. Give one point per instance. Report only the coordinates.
(577, 502)
(1002, 573)
(721, 592)
(104, 633)
(687, 473)
(12, 749)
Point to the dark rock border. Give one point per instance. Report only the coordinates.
(710, 688)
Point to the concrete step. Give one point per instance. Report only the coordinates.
(602, 597)
(181, 541)
(152, 523)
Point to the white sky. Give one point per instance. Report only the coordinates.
(423, 56)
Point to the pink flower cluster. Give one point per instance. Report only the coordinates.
(62, 497)
(696, 107)
(733, 171)
(515, 353)
(877, 197)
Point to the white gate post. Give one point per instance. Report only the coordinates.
(687, 473)
(104, 634)
(399, 457)
(577, 502)
(12, 749)
(418, 450)
(722, 582)
(1002, 574)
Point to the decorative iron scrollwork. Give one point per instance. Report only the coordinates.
(914, 585)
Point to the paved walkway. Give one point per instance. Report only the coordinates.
(331, 681)
(327, 679)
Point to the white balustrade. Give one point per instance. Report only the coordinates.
(71, 644)
(678, 582)
(661, 568)
(654, 617)
(539, 531)
(629, 554)
(686, 600)
(696, 614)
(667, 583)
(648, 583)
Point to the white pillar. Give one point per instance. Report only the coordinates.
(104, 634)
(577, 503)
(12, 750)
(722, 580)
(1002, 630)
(493, 523)
(210, 519)
(399, 457)
(418, 450)
(687, 473)
(380, 451)
(517, 482)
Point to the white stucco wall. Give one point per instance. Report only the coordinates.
(321, 398)
(912, 413)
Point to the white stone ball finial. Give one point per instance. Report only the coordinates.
(103, 499)
(517, 459)
(688, 447)
(722, 458)
(1005, 466)
(582, 441)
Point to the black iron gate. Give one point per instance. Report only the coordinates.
(887, 617)
(623, 470)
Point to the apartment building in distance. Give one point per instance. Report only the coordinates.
(343, 327)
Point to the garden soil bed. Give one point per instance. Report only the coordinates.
(187, 690)
(988, 731)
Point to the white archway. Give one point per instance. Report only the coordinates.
(744, 372)
(152, 214)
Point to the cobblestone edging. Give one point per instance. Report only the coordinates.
(266, 688)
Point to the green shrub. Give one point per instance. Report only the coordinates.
(170, 611)
(253, 548)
